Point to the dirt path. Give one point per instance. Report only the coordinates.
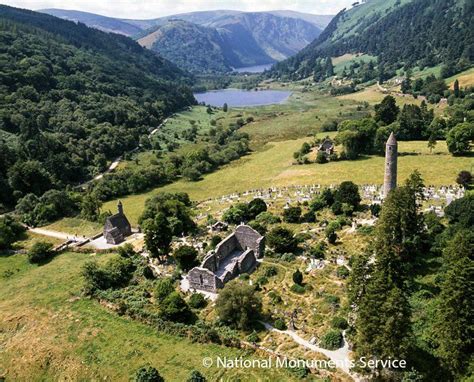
(55, 234)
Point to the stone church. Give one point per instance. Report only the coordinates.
(236, 254)
(117, 227)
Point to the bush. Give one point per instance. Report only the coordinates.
(197, 301)
(148, 374)
(342, 272)
(267, 218)
(40, 252)
(318, 251)
(298, 277)
(296, 288)
(332, 340)
(270, 271)
(321, 158)
(292, 215)
(262, 280)
(163, 288)
(275, 298)
(339, 323)
(174, 308)
(196, 376)
(280, 324)
(116, 273)
(253, 337)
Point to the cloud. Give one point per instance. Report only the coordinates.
(142, 9)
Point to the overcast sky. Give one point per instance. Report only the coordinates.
(143, 9)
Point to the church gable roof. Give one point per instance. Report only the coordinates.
(119, 221)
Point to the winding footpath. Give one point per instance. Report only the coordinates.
(339, 356)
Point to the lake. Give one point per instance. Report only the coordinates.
(253, 69)
(242, 98)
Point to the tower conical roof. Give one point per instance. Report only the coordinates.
(391, 139)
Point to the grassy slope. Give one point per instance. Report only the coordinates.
(49, 333)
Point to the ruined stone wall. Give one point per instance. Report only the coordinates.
(210, 262)
(249, 238)
(203, 279)
(247, 261)
(226, 247)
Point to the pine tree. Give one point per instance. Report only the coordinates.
(454, 328)
(456, 88)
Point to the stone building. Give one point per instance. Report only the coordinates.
(327, 147)
(236, 254)
(117, 227)
(391, 157)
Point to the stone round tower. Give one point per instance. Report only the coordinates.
(391, 156)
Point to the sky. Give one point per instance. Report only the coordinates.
(146, 9)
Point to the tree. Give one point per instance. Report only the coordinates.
(387, 111)
(455, 306)
(456, 88)
(225, 108)
(148, 374)
(40, 252)
(236, 214)
(380, 289)
(256, 207)
(196, 376)
(10, 231)
(292, 214)
(321, 158)
(348, 192)
(163, 288)
(282, 240)
(464, 179)
(186, 257)
(209, 109)
(238, 304)
(90, 206)
(460, 137)
(174, 308)
(158, 236)
(298, 277)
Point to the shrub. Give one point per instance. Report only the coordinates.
(288, 257)
(270, 271)
(296, 288)
(197, 301)
(321, 158)
(40, 252)
(318, 251)
(196, 376)
(332, 340)
(342, 272)
(174, 308)
(253, 337)
(10, 231)
(339, 323)
(262, 280)
(163, 288)
(267, 218)
(148, 374)
(298, 277)
(280, 324)
(292, 214)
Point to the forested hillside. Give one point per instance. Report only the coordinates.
(412, 33)
(72, 98)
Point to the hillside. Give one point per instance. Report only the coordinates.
(399, 33)
(72, 98)
(104, 23)
(130, 27)
(215, 41)
(229, 41)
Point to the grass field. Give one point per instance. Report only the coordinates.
(273, 166)
(48, 332)
(465, 79)
(76, 226)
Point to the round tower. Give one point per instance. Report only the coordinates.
(391, 156)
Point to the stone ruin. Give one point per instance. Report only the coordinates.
(236, 254)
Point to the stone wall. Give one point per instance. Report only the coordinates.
(249, 238)
(247, 261)
(203, 279)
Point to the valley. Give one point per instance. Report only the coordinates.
(239, 188)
